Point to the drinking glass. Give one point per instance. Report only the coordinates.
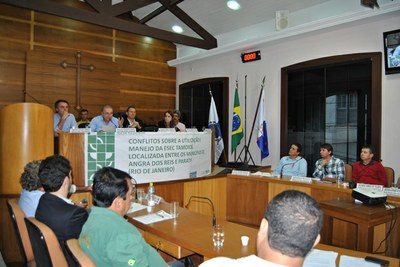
(218, 235)
(140, 195)
(174, 209)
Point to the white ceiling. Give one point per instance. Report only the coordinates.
(217, 18)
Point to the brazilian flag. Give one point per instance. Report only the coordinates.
(237, 126)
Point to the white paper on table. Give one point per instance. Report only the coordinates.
(136, 207)
(320, 258)
(347, 261)
(153, 217)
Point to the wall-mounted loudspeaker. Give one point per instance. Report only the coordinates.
(281, 19)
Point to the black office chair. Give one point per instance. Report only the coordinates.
(45, 245)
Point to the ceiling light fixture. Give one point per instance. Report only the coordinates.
(177, 29)
(232, 4)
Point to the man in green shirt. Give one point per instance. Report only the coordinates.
(107, 237)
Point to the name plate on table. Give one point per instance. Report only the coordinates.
(391, 191)
(301, 179)
(371, 186)
(80, 130)
(125, 131)
(239, 172)
(265, 174)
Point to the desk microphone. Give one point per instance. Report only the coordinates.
(214, 219)
(289, 164)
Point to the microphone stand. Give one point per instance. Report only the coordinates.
(214, 219)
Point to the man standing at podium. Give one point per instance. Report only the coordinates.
(63, 121)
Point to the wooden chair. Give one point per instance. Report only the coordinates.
(45, 245)
(79, 255)
(348, 172)
(389, 176)
(21, 233)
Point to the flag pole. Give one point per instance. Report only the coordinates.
(258, 106)
(246, 145)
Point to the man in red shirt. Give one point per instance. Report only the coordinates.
(367, 170)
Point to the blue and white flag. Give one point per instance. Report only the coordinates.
(213, 123)
(262, 139)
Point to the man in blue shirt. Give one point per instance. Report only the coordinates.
(63, 121)
(104, 122)
(294, 164)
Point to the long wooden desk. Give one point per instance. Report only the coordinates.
(191, 233)
(364, 217)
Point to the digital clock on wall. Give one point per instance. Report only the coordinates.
(251, 56)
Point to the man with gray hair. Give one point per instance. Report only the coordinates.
(179, 126)
(289, 230)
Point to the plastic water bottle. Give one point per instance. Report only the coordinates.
(150, 197)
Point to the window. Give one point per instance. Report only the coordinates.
(334, 100)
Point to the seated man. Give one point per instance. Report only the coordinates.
(114, 241)
(63, 121)
(179, 126)
(84, 121)
(131, 120)
(367, 170)
(328, 166)
(32, 189)
(294, 164)
(54, 209)
(104, 122)
(289, 230)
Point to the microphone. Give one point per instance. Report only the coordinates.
(214, 219)
(134, 185)
(290, 164)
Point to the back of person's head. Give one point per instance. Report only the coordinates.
(294, 222)
(328, 147)
(29, 179)
(299, 147)
(52, 172)
(108, 184)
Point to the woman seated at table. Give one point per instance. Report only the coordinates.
(167, 122)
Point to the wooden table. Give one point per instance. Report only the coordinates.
(364, 217)
(191, 233)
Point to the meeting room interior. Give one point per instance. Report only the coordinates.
(217, 105)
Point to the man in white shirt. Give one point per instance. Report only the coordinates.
(289, 230)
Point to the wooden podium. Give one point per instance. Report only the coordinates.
(26, 134)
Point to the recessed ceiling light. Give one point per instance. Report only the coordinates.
(232, 4)
(177, 29)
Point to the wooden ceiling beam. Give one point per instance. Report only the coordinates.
(50, 7)
(157, 12)
(185, 18)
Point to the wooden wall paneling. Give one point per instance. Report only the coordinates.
(72, 26)
(13, 50)
(247, 199)
(45, 75)
(16, 29)
(157, 71)
(72, 146)
(144, 51)
(156, 43)
(276, 188)
(15, 12)
(169, 191)
(215, 189)
(48, 36)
